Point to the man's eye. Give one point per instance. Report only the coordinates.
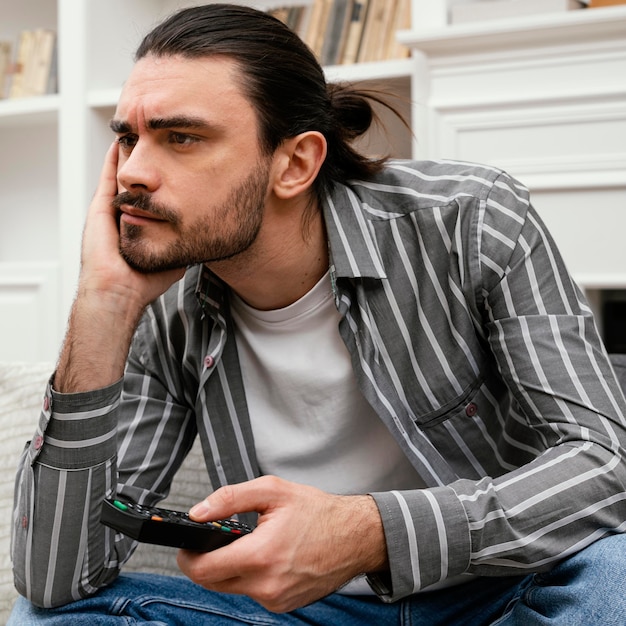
(182, 139)
(127, 141)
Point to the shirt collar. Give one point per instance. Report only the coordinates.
(211, 291)
(352, 246)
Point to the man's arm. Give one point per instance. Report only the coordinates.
(110, 299)
(60, 551)
(565, 404)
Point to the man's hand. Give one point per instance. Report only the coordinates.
(103, 270)
(110, 299)
(308, 543)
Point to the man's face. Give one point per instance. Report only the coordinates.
(192, 180)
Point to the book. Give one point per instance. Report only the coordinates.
(373, 31)
(53, 74)
(35, 68)
(402, 21)
(40, 64)
(318, 23)
(5, 65)
(594, 4)
(336, 31)
(502, 9)
(349, 31)
(24, 52)
(388, 33)
(313, 24)
(355, 31)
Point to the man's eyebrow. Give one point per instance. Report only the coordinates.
(118, 126)
(158, 123)
(177, 121)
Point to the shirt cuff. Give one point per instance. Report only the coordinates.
(77, 430)
(428, 540)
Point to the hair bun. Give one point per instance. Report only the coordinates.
(352, 109)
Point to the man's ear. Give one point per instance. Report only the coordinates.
(297, 163)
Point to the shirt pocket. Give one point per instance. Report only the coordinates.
(469, 432)
(461, 405)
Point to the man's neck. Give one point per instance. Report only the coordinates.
(280, 267)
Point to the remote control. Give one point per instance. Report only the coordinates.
(169, 528)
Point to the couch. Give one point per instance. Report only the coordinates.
(21, 389)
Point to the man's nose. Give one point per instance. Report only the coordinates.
(139, 170)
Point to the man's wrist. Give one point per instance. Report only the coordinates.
(368, 537)
(96, 345)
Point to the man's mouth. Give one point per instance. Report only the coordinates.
(133, 215)
(140, 210)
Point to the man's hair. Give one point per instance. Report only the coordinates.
(281, 78)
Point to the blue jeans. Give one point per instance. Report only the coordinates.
(587, 589)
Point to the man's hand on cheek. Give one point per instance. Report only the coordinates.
(110, 298)
(103, 270)
(307, 544)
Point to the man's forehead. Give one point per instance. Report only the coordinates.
(217, 71)
(175, 87)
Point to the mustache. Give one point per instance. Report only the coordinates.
(144, 202)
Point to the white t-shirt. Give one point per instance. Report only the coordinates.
(311, 424)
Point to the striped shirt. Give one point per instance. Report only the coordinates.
(468, 338)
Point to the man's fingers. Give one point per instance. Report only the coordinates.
(107, 184)
(257, 495)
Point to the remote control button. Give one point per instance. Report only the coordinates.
(156, 518)
(120, 505)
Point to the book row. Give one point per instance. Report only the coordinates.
(350, 31)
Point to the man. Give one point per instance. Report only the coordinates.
(386, 362)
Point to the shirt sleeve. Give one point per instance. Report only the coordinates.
(129, 439)
(60, 551)
(549, 355)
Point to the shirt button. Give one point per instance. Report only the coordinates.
(38, 442)
(209, 361)
(24, 522)
(46, 403)
(471, 409)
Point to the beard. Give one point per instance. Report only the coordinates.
(220, 233)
